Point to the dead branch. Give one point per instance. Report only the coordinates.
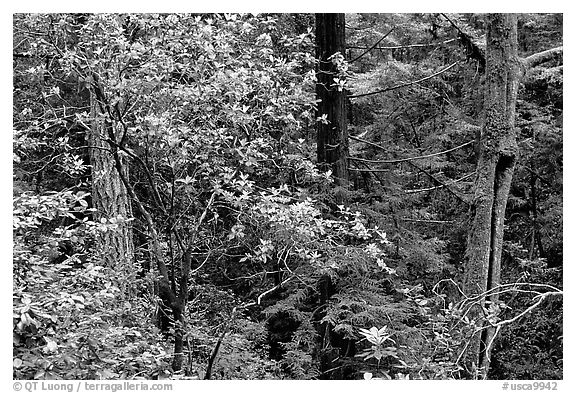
(469, 302)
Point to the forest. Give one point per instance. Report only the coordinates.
(287, 196)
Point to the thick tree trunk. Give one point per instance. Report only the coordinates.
(110, 199)
(332, 133)
(498, 151)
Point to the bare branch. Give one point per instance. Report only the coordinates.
(473, 50)
(427, 221)
(441, 185)
(437, 181)
(371, 170)
(406, 159)
(404, 84)
(405, 46)
(372, 47)
(460, 197)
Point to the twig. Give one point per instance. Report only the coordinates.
(202, 264)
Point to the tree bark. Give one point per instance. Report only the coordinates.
(110, 199)
(498, 152)
(332, 134)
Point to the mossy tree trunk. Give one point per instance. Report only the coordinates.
(332, 131)
(498, 154)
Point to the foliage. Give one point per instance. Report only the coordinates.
(77, 326)
(378, 338)
(213, 116)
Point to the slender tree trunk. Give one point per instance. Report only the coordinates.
(178, 359)
(536, 240)
(332, 132)
(110, 199)
(498, 151)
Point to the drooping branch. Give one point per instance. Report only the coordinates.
(372, 47)
(473, 50)
(431, 176)
(404, 84)
(438, 182)
(397, 161)
(426, 221)
(405, 46)
(441, 185)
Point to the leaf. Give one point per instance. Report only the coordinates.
(77, 298)
(382, 330)
(51, 346)
(107, 374)
(39, 374)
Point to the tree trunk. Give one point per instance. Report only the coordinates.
(178, 359)
(498, 151)
(110, 199)
(332, 132)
